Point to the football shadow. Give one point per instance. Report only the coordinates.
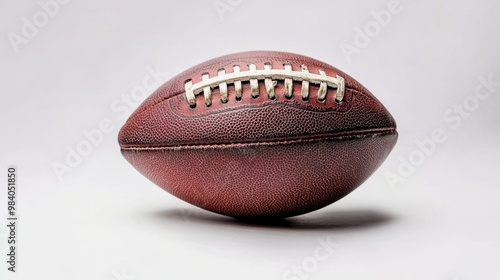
(323, 219)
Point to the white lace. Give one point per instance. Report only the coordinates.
(269, 76)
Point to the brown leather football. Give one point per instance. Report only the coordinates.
(259, 134)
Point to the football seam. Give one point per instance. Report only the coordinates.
(284, 141)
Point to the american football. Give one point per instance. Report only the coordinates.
(259, 134)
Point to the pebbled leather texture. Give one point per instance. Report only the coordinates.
(264, 180)
(256, 156)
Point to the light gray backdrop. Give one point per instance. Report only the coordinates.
(72, 71)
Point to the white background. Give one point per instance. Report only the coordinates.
(103, 220)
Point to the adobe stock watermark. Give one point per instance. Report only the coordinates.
(223, 6)
(364, 36)
(454, 117)
(323, 251)
(122, 107)
(122, 275)
(31, 26)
